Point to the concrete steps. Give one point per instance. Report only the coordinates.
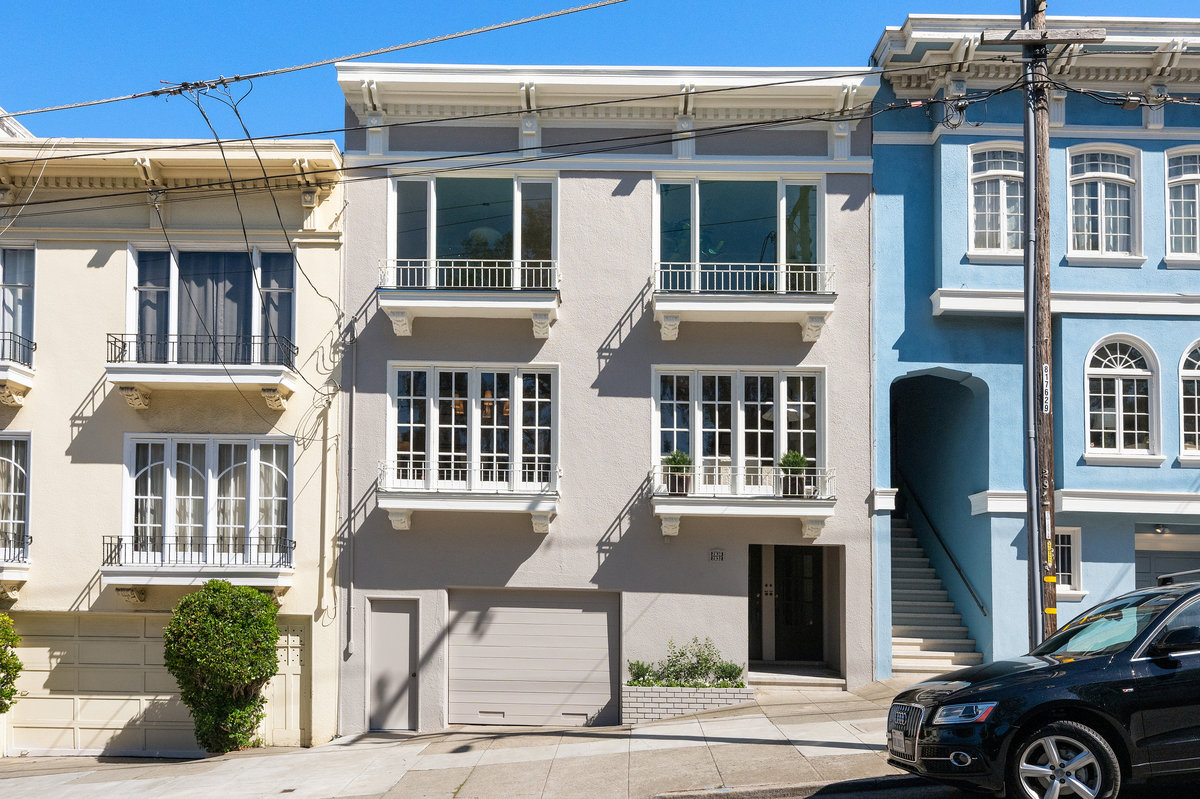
(928, 636)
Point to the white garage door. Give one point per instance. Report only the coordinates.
(533, 657)
(95, 684)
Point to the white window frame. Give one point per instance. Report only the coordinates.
(1120, 456)
(211, 442)
(474, 414)
(518, 179)
(738, 432)
(1073, 591)
(1002, 254)
(256, 318)
(27, 437)
(781, 181)
(1173, 258)
(1188, 457)
(1102, 257)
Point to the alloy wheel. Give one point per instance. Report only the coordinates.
(1058, 766)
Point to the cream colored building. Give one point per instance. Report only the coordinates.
(169, 364)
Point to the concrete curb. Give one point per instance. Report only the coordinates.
(804, 789)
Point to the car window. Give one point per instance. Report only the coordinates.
(1107, 628)
(1188, 617)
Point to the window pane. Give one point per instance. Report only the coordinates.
(148, 497)
(14, 454)
(801, 224)
(412, 219)
(675, 212)
(231, 501)
(454, 403)
(1183, 219)
(738, 221)
(537, 222)
(475, 218)
(758, 409)
(1063, 559)
(495, 424)
(536, 425)
(191, 472)
(411, 428)
(1191, 414)
(215, 306)
(674, 414)
(273, 468)
(152, 308)
(278, 276)
(1085, 216)
(802, 416)
(1118, 218)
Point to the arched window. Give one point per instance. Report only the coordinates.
(1189, 376)
(1183, 185)
(1102, 203)
(1119, 377)
(997, 199)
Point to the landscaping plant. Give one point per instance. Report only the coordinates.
(696, 664)
(220, 647)
(10, 664)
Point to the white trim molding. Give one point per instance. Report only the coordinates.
(1164, 503)
(998, 502)
(811, 513)
(542, 508)
(194, 575)
(883, 500)
(402, 307)
(1009, 302)
(1103, 458)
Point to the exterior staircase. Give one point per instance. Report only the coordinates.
(927, 633)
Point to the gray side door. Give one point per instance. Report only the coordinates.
(392, 664)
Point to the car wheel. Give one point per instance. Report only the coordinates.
(1064, 759)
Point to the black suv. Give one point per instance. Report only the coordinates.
(1112, 696)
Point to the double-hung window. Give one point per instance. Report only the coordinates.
(1183, 183)
(1120, 380)
(1189, 379)
(217, 500)
(1103, 186)
(739, 236)
(212, 307)
(737, 425)
(998, 200)
(487, 428)
(473, 233)
(16, 314)
(14, 499)
(1068, 561)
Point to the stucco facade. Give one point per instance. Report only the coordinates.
(457, 561)
(111, 541)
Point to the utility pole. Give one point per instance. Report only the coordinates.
(1035, 40)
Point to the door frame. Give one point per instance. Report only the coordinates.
(414, 707)
(769, 589)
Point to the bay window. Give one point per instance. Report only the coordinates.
(208, 500)
(485, 428)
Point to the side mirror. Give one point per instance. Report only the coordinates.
(1182, 639)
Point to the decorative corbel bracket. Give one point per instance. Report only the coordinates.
(840, 141)
(275, 593)
(136, 396)
(811, 528)
(670, 526)
(11, 592)
(813, 325)
(541, 324)
(12, 395)
(132, 595)
(541, 521)
(6, 195)
(669, 327)
(400, 519)
(401, 322)
(276, 400)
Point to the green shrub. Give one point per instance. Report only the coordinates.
(676, 461)
(793, 462)
(696, 664)
(220, 647)
(10, 664)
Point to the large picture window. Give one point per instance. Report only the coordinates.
(216, 500)
(1120, 380)
(473, 427)
(1103, 186)
(998, 200)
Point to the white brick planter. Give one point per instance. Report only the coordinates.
(639, 703)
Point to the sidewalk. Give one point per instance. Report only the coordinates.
(790, 736)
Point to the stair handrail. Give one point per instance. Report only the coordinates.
(933, 529)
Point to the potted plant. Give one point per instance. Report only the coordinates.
(677, 473)
(792, 466)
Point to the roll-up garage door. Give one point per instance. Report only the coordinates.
(533, 657)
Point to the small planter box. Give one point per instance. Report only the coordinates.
(651, 703)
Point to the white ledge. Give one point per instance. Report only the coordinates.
(999, 502)
(403, 306)
(14, 572)
(15, 381)
(400, 505)
(810, 311)
(1083, 500)
(191, 574)
(744, 507)
(1010, 302)
(994, 257)
(1070, 595)
(1096, 259)
(1122, 459)
(1189, 461)
(137, 381)
(883, 499)
(1182, 262)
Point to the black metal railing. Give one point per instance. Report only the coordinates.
(158, 550)
(16, 349)
(910, 495)
(14, 547)
(200, 349)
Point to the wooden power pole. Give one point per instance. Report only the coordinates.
(1039, 384)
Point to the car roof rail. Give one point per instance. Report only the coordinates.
(1190, 576)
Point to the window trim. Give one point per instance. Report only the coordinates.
(430, 181)
(1136, 256)
(27, 437)
(737, 432)
(1120, 456)
(256, 291)
(26, 244)
(474, 368)
(1173, 259)
(1187, 458)
(1075, 591)
(209, 439)
(1002, 255)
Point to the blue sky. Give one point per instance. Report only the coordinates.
(57, 53)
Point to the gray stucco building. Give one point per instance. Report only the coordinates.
(561, 277)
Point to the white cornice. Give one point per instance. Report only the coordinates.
(1013, 131)
(774, 166)
(1010, 302)
(1164, 503)
(993, 501)
(12, 129)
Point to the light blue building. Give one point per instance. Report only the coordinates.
(1125, 275)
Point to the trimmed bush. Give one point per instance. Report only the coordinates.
(10, 664)
(696, 664)
(220, 647)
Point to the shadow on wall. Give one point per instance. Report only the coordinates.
(636, 508)
(633, 317)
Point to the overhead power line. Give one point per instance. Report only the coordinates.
(213, 83)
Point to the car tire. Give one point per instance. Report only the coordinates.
(1082, 758)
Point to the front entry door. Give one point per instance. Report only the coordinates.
(392, 668)
(786, 608)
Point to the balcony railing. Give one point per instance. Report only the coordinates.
(14, 547)
(721, 480)
(499, 474)
(468, 274)
(152, 348)
(16, 349)
(184, 551)
(680, 277)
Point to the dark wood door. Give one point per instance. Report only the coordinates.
(799, 611)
